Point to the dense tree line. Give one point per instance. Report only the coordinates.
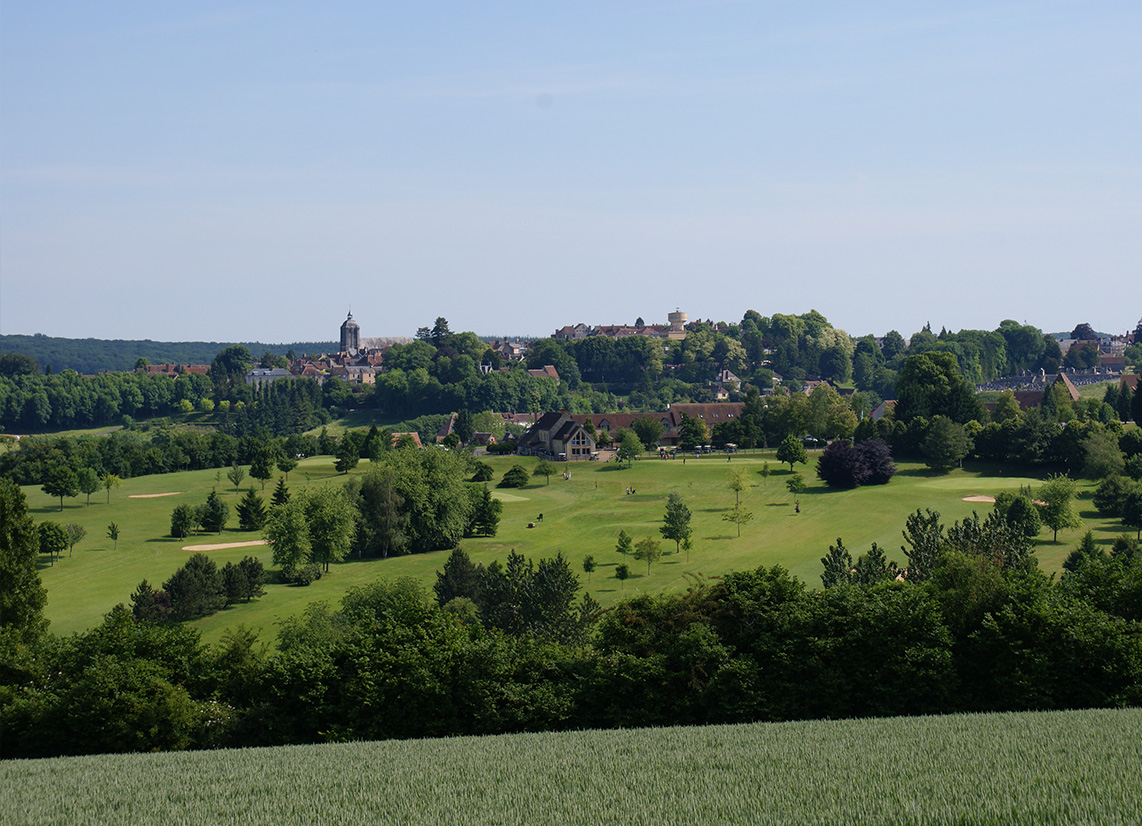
(132, 453)
(969, 625)
(89, 356)
(145, 450)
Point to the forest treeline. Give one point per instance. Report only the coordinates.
(89, 356)
(971, 625)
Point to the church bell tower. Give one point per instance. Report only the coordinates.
(350, 335)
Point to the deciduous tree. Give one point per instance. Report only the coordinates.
(88, 482)
(676, 521)
(182, 521)
(384, 518)
(288, 535)
(739, 516)
(945, 445)
(692, 432)
(739, 481)
(330, 519)
(286, 463)
(75, 535)
(110, 480)
(791, 451)
(61, 481)
(649, 430)
(262, 465)
(650, 550)
(630, 447)
(236, 474)
(796, 485)
(1058, 510)
(53, 539)
(544, 468)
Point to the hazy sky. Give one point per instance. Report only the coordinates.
(249, 170)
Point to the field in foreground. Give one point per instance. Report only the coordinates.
(582, 516)
(1074, 767)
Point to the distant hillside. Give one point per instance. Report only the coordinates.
(94, 355)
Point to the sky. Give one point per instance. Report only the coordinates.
(251, 171)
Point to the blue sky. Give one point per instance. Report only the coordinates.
(249, 170)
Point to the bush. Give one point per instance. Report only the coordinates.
(483, 472)
(502, 448)
(303, 576)
(517, 477)
(182, 521)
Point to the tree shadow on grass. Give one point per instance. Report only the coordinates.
(718, 537)
(922, 473)
(53, 510)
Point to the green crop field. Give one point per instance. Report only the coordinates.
(1073, 767)
(582, 515)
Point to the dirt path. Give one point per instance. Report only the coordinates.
(224, 545)
(154, 495)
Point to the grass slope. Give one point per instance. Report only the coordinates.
(1033, 768)
(582, 516)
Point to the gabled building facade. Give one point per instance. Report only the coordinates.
(559, 436)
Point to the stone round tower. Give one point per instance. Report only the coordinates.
(350, 335)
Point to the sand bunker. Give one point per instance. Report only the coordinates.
(979, 498)
(154, 495)
(223, 546)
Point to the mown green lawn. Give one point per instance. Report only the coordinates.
(1068, 767)
(582, 515)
